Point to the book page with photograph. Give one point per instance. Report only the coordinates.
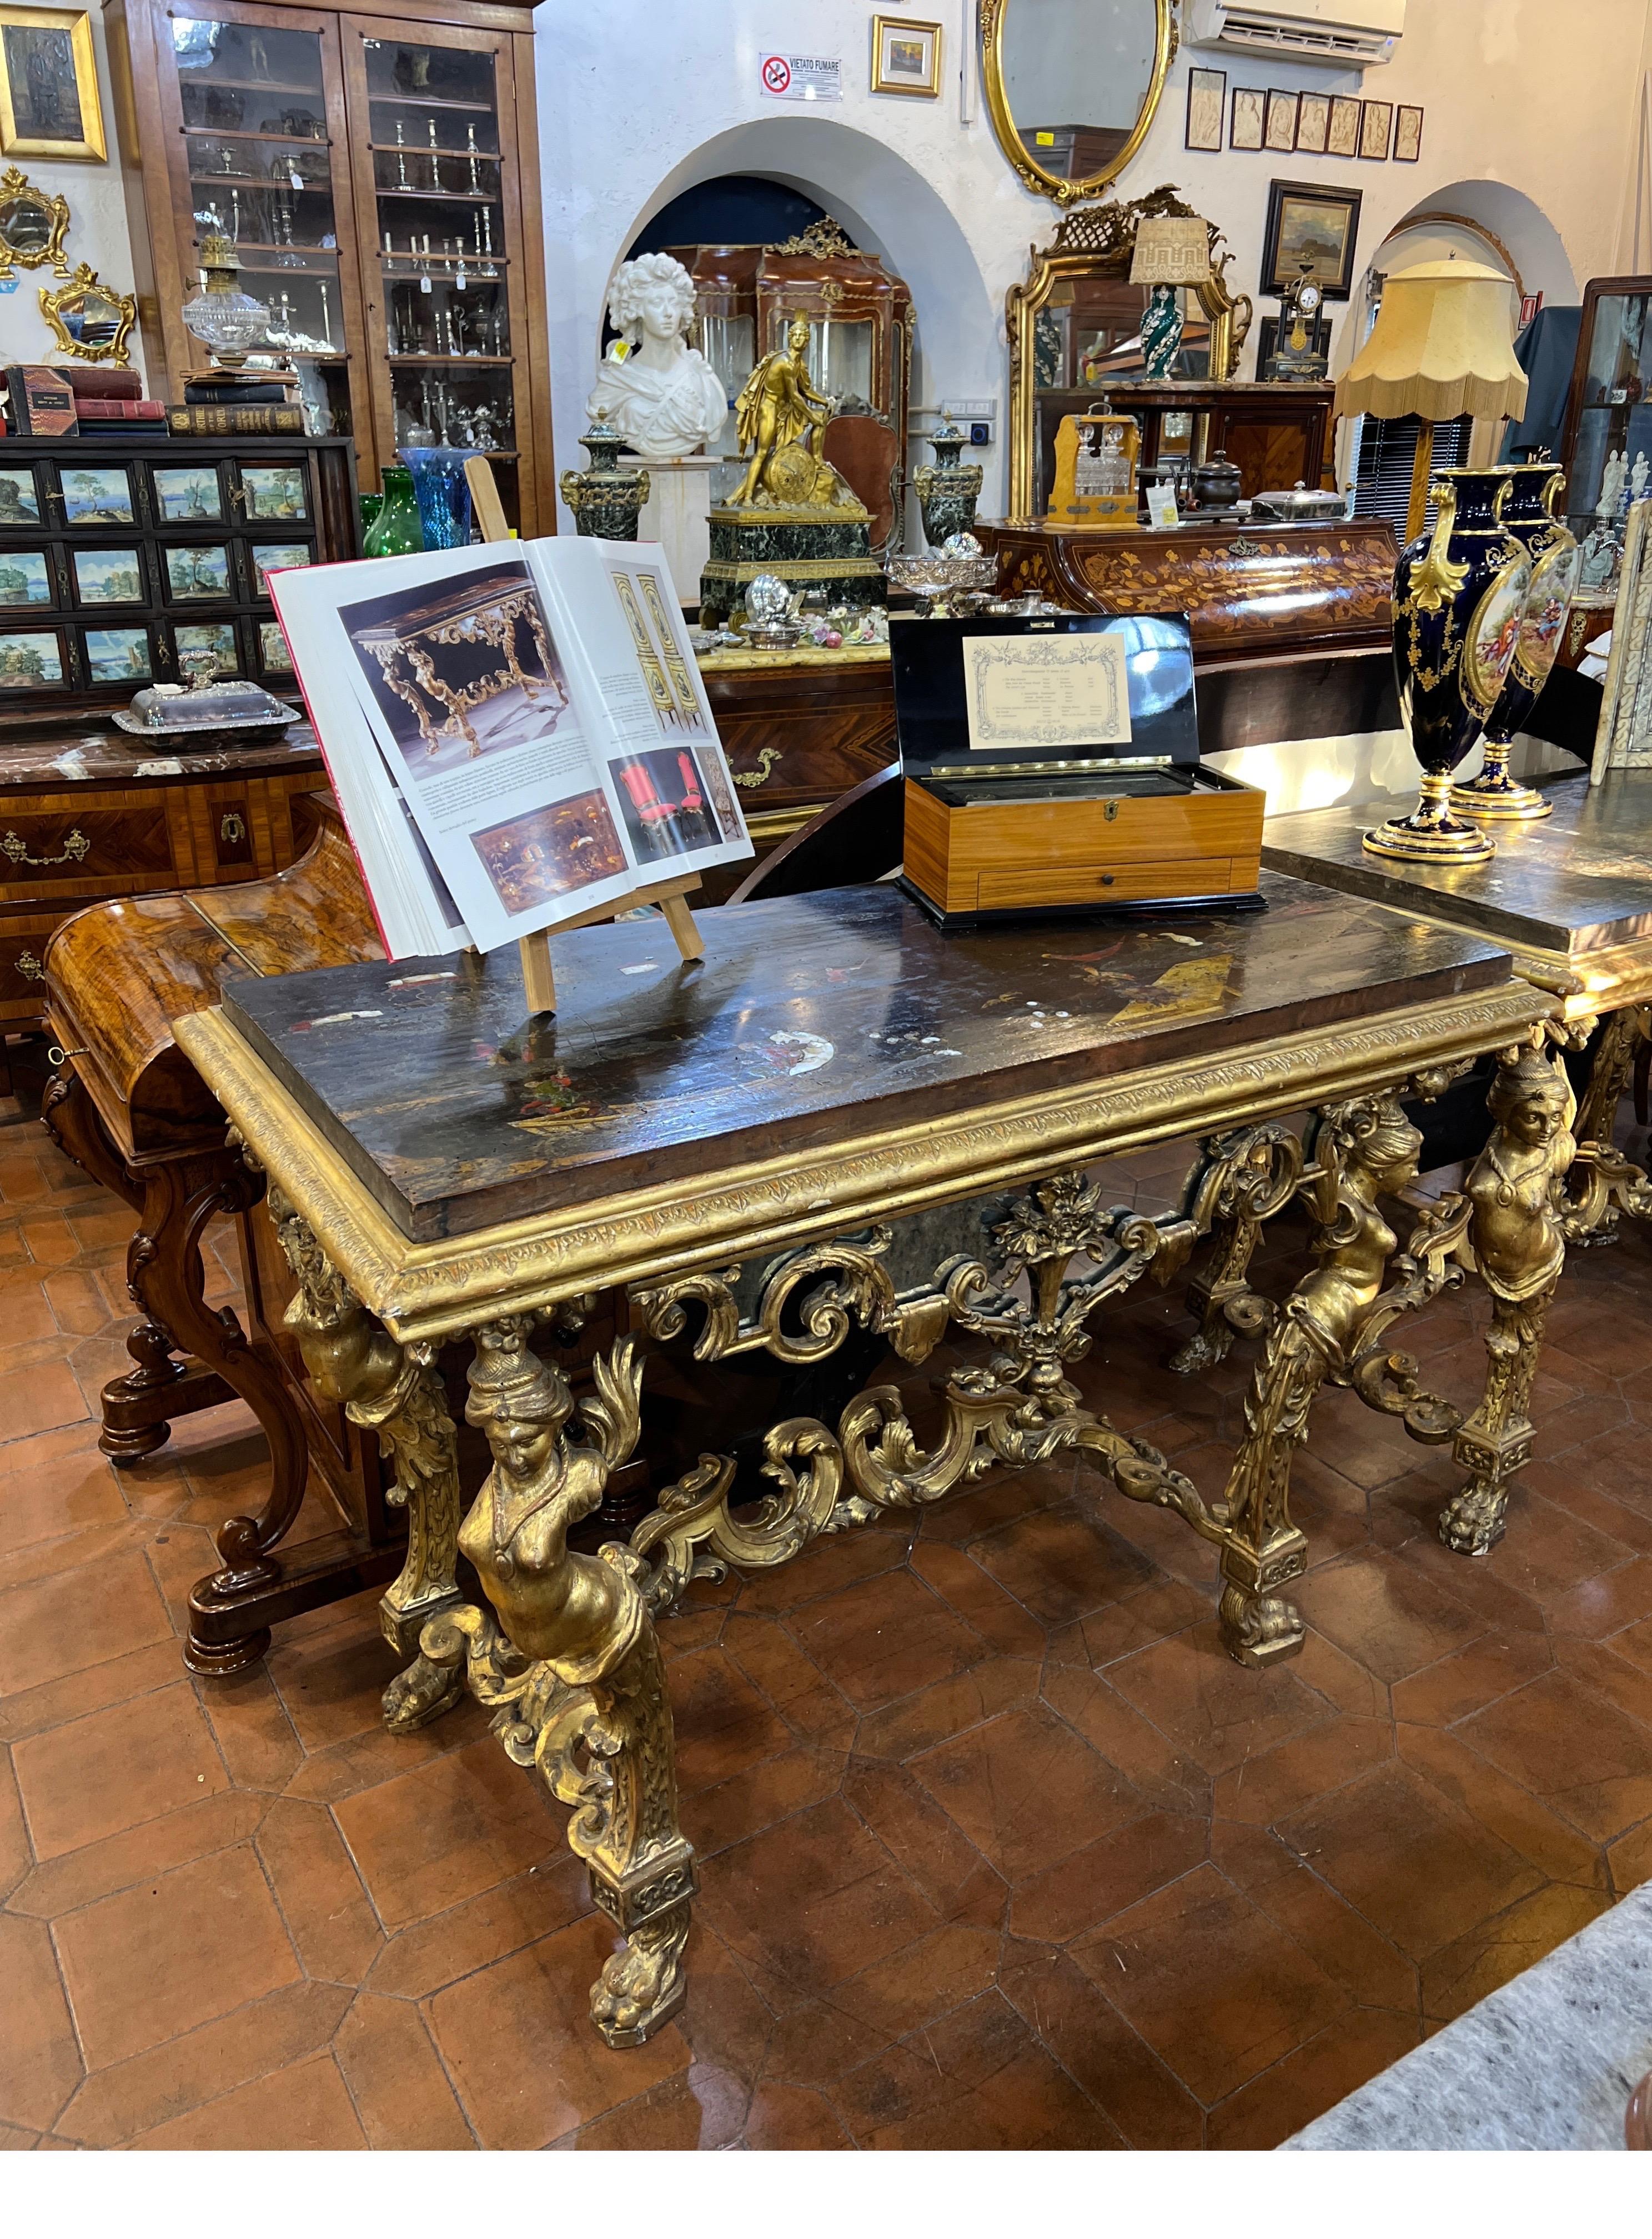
(450, 666)
(668, 778)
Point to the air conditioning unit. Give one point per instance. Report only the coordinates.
(1342, 34)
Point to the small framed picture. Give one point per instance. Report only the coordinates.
(1407, 135)
(1376, 122)
(216, 638)
(272, 648)
(1279, 133)
(186, 493)
(25, 580)
(1343, 139)
(1207, 101)
(19, 499)
(198, 571)
(1313, 124)
(96, 495)
(1244, 123)
(49, 104)
(109, 578)
(30, 660)
(1313, 225)
(266, 557)
(905, 56)
(273, 493)
(118, 656)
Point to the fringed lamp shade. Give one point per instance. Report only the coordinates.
(1443, 345)
(1173, 252)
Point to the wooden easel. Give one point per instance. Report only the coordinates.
(538, 979)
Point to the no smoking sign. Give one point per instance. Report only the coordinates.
(800, 77)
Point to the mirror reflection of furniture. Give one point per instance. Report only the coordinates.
(1075, 329)
(1073, 85)
(1443, 345)
(32, 225)
(1609, 404)
(89, 320)
(860, 317)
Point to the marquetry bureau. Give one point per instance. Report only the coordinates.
(842, 1122)
(89, 812)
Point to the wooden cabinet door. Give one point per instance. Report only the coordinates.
(433, 116)
(250, 100)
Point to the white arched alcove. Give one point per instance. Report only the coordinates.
(883, 203)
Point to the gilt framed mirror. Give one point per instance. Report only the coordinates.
(1073, 333)
(32, 225)
(1073, 85)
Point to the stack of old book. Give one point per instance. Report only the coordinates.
(224, 404)
(80, 399)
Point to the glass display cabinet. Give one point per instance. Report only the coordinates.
(860, 317)
(1609, 408)
(379, 179)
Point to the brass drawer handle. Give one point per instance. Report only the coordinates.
(76, 848)
(231, 828)
(29, 965)
(768, 756)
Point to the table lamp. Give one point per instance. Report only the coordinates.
(1443, 345)
(1171, 253)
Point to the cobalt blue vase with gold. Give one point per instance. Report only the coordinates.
(1459, 595)
(1529, 515)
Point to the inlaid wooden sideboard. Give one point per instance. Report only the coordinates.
(94, 815)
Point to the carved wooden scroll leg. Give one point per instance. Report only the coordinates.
(396, 1390)
(167, 1278)
(1242, 1181)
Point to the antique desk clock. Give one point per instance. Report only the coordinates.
(1052, 764)
(1299, 352)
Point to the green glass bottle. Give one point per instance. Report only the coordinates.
(396, 526)
(369, 502)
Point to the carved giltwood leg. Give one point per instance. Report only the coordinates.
(1242, 1181)
(1517, 1234)
(1266, 1551)
(1620, 1037)
(394, 1390)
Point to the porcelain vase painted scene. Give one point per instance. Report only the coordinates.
(1529, 516)
(1460, 594)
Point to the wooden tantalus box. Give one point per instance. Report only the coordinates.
(1051, 765)
(1096, 455)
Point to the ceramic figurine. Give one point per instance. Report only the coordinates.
(1614, 474)
(1529, 515)
(1460, 596)
(662, 397)
(1638, 478)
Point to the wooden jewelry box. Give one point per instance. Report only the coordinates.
(1052, 767)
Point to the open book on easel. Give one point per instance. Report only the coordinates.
(518, 739)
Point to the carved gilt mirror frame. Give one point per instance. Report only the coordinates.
(85, 295)
(994, 14)
(52, 222)
(1090, 244)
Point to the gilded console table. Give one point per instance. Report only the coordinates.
(412, 648)
(788, 1141)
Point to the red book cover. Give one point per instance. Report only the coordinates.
(119, 407)
(102, 380)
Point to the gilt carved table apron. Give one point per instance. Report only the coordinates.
(842, 1119)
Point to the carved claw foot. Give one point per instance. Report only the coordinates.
(421, 1693)
(1475, 1520)
(1259, 1632)
(643, 1986)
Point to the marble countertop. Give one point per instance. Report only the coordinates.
(1545, 2064)
(99, 753)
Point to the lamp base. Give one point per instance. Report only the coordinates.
(1495, 794)
(1430, 834)
(1161, 333)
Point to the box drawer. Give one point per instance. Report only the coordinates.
(22, 969)
(85, 850)
(1070, 884)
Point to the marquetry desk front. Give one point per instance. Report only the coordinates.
(843, 1120)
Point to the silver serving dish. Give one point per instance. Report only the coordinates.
(1299, 504)
(174, 711)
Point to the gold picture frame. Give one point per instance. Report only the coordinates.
(49, 80)
(66, 309)
(905, 57)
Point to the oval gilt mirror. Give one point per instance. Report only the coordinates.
(1072, 86)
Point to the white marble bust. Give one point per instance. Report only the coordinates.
(661, 395)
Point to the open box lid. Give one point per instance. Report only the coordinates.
(1038, 695)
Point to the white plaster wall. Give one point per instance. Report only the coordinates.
(98, 234)
(1532, 126)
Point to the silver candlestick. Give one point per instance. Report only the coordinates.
(400, 160)
(436, 167)
(470, 142)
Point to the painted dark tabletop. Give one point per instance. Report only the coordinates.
(811, 1021)
(1581, 879)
